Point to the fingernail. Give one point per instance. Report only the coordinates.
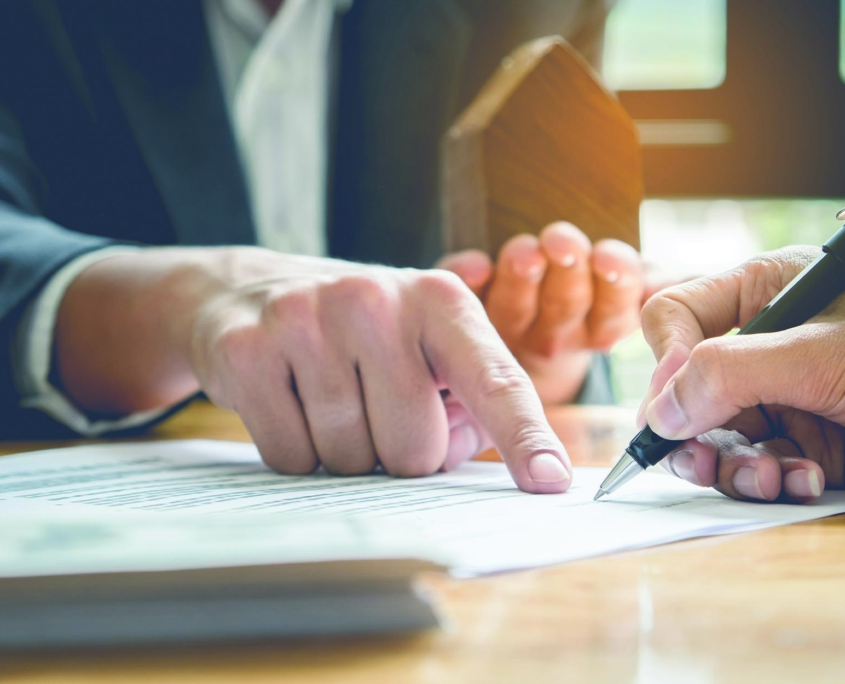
(664, 413)
(802, 484)
(683, 463)
(745, 482)
(611, 276)
(568, 260)
(547, 468)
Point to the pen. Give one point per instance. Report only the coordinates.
(805, 296)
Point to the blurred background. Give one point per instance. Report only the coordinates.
(740, 106)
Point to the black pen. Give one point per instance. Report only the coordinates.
(805, 296)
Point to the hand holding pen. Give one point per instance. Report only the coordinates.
(757, 416)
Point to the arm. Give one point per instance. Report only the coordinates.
(327, 362)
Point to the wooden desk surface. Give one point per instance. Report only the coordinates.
(768, 606)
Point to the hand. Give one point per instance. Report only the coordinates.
(769, 408)
(327, 362)
(555, 299)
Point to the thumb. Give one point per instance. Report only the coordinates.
(795, 368)
(666, 369)
(682, 316)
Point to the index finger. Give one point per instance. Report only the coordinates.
(679, 318)
(468, 356)
(684, 315)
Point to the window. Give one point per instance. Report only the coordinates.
(733, 97)
(660, 44)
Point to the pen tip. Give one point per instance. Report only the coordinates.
(599, 494)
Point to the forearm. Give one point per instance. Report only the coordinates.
(122, 336)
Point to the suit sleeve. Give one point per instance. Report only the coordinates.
(32, 250)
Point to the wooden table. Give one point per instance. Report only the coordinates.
(767, 606)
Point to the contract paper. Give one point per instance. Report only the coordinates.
(473, 519)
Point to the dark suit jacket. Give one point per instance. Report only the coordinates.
(113, 127)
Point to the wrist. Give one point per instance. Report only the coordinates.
(123, 329)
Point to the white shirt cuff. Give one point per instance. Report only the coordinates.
(32, 353)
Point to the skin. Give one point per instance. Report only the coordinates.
(349, 366)
(556, 298)
(763, 415)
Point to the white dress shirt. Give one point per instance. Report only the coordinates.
(275, 79)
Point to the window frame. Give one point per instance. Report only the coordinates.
(782, 104)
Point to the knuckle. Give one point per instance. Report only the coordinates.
(340, 434)
(413, 464)
(658, 309)
(444, 287)
(413, 450)
(289, 464)
(295, 314)
(290, 306)
(238, 345)
(498, 379)
(365, 290)
(765, 275)
(295, 458)
(709, 360)
(707, 356)
(353, 464)
(659, 321)
(365, 298)
(569, 302)
(759, 287)
(528, 437)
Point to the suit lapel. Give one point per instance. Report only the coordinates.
(158, 56)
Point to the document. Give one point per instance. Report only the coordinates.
(474, 519)
(73, 577)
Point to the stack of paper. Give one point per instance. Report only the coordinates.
(157, 536)
(115, 578)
